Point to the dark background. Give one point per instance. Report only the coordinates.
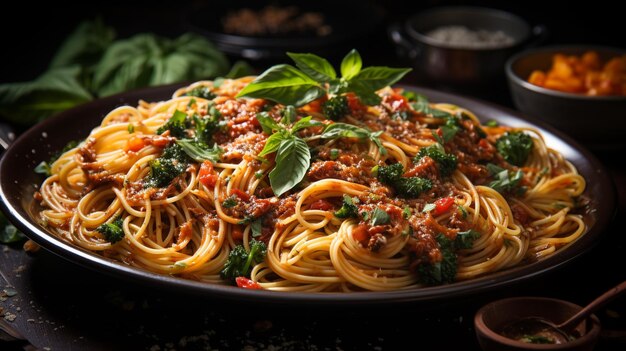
(31, 33)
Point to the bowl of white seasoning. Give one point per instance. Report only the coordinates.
(463, 46)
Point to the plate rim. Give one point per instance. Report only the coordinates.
(483, 284)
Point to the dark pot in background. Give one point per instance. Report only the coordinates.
(462, 68)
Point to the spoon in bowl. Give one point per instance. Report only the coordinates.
(539, 330)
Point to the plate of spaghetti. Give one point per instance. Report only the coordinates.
(299, 185)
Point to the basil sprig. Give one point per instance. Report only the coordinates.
(314, 77)
(344, 130)
(293, 156)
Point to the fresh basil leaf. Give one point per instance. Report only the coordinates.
(378, 77)
(292, 161)
(365, 94)
(84, 46)
(344, 130)
(273, 142)
(448, 133)
(374, 137)
(289, 115)
(256, 227)
(305, 122)
(199, 151)
(379, 217)
(239, 69)
(27, 103)
(8, 232)
(145, 59)
(268, 124)
(422, 105)
(465, 240)
(314, 66)
(351, 65)
(285, 85)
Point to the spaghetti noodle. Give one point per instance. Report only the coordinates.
(350, 225)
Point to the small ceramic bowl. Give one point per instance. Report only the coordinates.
(493, 317)
(597, 121)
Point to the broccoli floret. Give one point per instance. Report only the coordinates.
(441, 272)
(389, 174)
(205, 127)
(176, 125)
(446, 162)
(164, 169)
(444, 271)
(348, 209)
(202, 92)
(240, 262)
(515, 147)
(113, 232)
(336, 107)
(404, 186)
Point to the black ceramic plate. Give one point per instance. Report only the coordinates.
(18, 182)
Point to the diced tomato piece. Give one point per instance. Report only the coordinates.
(240, 194)
(355, 103)
(360, 234)
(246, 283)
(443, 205)
(135, 144)
(321, 205)
(207, 175)
(236, 232)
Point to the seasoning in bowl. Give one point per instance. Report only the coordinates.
(463, 37)
(583, 74)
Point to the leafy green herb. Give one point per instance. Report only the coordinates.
(462, 210)
(230, 202)
(27, 103)
(515, 147)
(112, 231)
(200, 151)
(422, 105)
(176, 125)
(146, 59)
(8, 232)
(256, 226)
(446, 162)
(45, 167)
(344, 130)
(293, 156)
(315, 77)
(201, 92)
(504, 180)
(379, 217)
(348, 209)
(404, 186)
(465, 240)
(406, 212)
(131, 128)
(258, 174)
(492, 123)
(240, 262)
(334, 154)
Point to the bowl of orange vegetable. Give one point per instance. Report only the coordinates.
(578, 89)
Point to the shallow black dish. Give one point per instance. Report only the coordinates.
(18, 182)
(597, 121)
